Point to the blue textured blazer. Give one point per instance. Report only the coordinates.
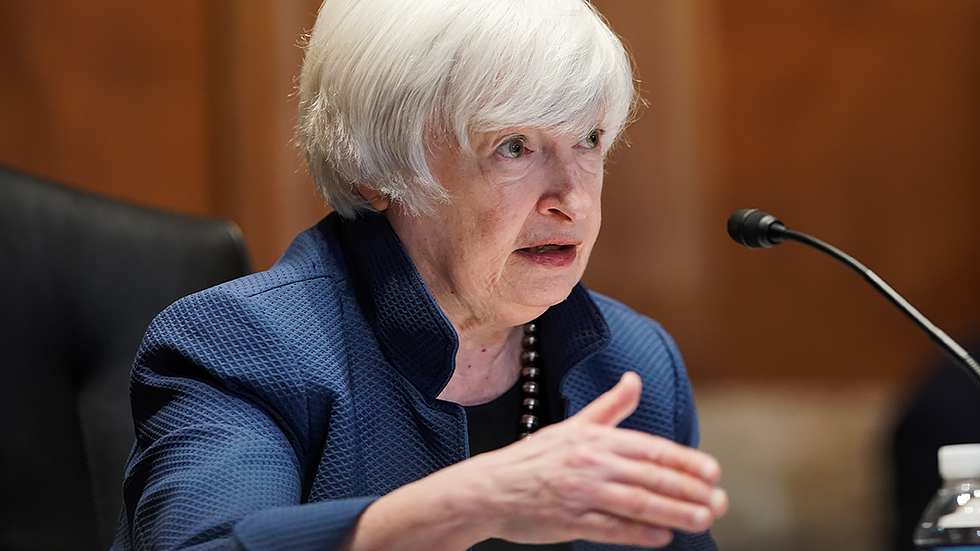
(272, 410)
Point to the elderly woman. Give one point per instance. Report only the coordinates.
(423, 369)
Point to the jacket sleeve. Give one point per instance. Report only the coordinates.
(685, 432)
(686, 429)
(226, 433)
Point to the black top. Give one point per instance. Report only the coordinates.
(494, 425)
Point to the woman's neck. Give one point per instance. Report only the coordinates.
(486, 367)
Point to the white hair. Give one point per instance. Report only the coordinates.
(382, 78)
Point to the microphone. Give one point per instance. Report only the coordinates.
(760, 230)
(755, 229)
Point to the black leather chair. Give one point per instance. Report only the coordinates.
(81, 276)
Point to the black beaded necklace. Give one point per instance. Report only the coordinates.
(533, 404)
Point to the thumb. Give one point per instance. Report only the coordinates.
(615, 404)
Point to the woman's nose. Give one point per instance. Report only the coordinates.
(572, 189)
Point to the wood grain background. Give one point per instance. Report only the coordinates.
(856, 121)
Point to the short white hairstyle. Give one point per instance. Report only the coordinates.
(382, 78)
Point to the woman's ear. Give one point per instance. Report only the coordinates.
(377, 199)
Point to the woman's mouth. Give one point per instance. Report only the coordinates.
(550, 255)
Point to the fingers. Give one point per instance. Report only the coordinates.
(640, 489)
(616, 404)
(585, 476)
(639, 505)
(661, 451)
(667, 482)
(617, 530)
(651, 494)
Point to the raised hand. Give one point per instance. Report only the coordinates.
(583, 478)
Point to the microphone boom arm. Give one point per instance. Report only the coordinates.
(938, 336)
(772, 232)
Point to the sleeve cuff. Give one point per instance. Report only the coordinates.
(313, 526)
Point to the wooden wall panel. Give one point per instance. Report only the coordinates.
(184, 104)
(856, 121)
(260, 178)
(860, 123)
(651, 250)
(109, 96)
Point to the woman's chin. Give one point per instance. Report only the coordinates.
(544, 295)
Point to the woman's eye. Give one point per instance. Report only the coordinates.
(513, 148)
(593, 139)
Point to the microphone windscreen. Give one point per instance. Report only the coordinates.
(750, 227)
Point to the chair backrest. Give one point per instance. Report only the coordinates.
(81, 277)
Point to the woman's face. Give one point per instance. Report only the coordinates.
(517, 233)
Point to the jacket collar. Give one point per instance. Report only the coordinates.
(415, 335)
